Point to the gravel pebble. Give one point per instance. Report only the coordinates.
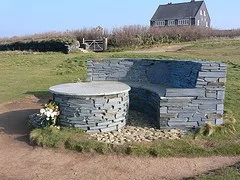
(139, 128)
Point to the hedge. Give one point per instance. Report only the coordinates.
(42, 45)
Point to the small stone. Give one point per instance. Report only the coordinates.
(174, 131)
(144, 132)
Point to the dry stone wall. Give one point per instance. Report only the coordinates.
(93, 114)
(192, 92)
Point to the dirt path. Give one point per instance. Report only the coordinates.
(163, 48)
(19, 160)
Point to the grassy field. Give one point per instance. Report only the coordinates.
(226, 173)
(27, 73)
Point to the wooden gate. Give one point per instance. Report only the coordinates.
(95, 45)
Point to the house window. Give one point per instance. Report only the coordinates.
(171, 22)
(198, 22)
(206, 24)
(183, 22)
(160, 23)
(201, 12)
(204, 13)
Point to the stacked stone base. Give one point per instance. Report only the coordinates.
(93, 114)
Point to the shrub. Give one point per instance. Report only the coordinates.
(127, 36)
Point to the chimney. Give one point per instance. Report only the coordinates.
(192, 0)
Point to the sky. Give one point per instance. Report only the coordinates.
(25, 17)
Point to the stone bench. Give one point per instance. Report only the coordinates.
(177, 93)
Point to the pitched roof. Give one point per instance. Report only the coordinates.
(176, 11)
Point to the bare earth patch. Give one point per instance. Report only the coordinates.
(19, 160)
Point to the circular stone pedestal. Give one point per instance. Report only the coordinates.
(98, 106)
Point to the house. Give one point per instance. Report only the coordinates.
(193, 13)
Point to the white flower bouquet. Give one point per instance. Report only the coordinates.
(49, 114)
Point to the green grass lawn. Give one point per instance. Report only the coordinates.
(24, 73)
(225, 173)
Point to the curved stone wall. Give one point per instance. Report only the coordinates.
(185, 94)
(95, 114)
(174, 73)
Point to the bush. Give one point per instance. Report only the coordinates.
(123, 37)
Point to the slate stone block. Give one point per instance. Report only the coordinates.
(179, 123)
(119, 119)
(174, 104)
(85, 127)
(202, 83)
(79, 101)
(86, 114)
(212, 74)
(222, 65)
(97, 127)
(184, 92)
(206, 101)
(79, 118)
(128, 63)
(208, 106)
(163, 109)
(97, 111)
(219, 121)
(105, 123)
(94, 131)
(220, 107)
(223, 80)
(64, 123)
(199, 115)
(220, 94)
(114, 100)
(116, 123)
(120, 115)
(185, 115)
(194, 119)
(214, 88)
(206, 111)
(113, 128)
(216, 84)
(94, 78)
(168, 115)
(211, 95)
(178, 119)
(99, 100)
(94, 118)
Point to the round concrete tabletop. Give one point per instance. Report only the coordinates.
(94, 88)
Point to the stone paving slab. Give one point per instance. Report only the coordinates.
(94, 88)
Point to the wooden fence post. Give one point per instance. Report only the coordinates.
(105, 42)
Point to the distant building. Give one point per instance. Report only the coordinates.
(192, 13)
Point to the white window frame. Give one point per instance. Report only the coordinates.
(183, 22)
(201, 12)
(204, 12)
(171, 22)
(160, 23)
(198, 22)
(206, 24)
